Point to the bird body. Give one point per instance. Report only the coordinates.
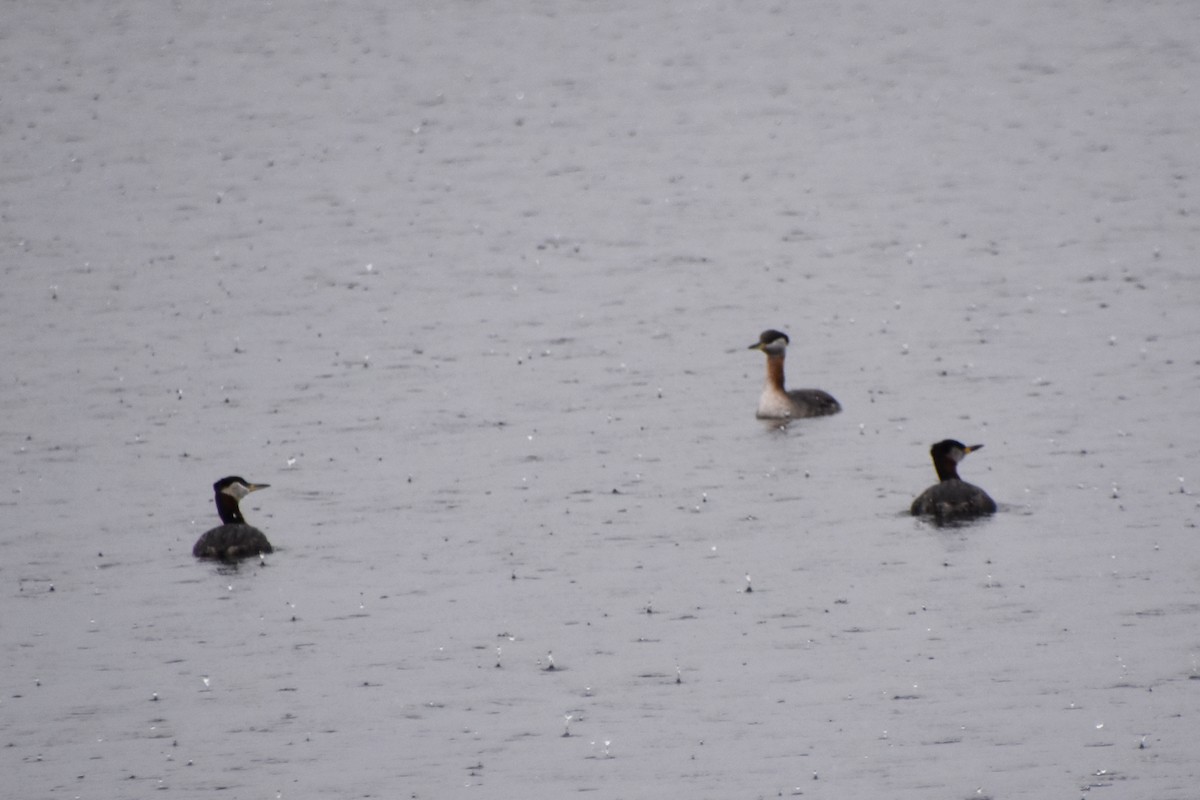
(952, 497)
(232, 541)
(235, 538)
(776, 401)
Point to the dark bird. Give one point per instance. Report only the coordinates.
(235, 538)
(951, 497)
(777, 402)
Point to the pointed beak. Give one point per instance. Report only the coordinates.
(974, 447)
(254, 487)
(755, 346)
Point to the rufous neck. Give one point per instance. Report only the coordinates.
(775, 371)
(227, 507)
(947, 469)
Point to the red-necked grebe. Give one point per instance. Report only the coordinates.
(779, 403)
(952, 497)
(235, 539)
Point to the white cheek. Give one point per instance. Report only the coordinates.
(237, 491)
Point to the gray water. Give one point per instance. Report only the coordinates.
(471, 286)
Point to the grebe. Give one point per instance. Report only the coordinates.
(235, 539)
(778, 403)
(952, 497)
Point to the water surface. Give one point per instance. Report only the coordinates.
(472, 287)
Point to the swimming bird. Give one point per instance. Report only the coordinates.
(777, 402)
(234, 539)
(951, 497)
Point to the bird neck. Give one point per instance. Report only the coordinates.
(227, 507)
(947, 469)
(775, 371)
